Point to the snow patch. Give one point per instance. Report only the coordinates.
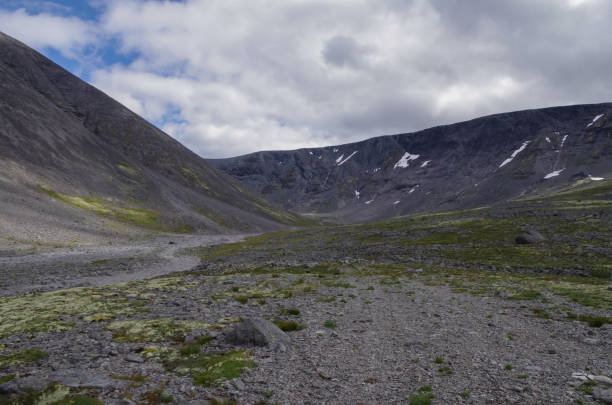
(595, 119)
(340, 158)
(516, 152)
(412, 190)
(357, 193)
(344, 161)
(563, 141)
(369, 201)
(403, 162)
(548, 139)
(310, 153)
(396, 202)
(553, 174)
(425, 163)
(335, 150)
(595, 178)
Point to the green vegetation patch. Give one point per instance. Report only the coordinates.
(587, 291)
(52, 395)
(423, 396)
(154, 330)
(107, 208)
(208, 369)
(50, 311)
(124, 167)
(288, 326)
(21, 357)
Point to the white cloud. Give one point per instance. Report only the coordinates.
(66, 34)
(231, 77)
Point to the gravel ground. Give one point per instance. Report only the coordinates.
(389, 340)
(101, 265)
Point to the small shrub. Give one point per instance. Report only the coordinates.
(243, 299)
(439, 360)
(445, 370)
(422, 398)
(508, 367)
(290, 311)
(601, 273)
(464, 394)
(288, 326)
(587, 387)
(331, 324)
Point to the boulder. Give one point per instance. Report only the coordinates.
(258, 332)
(529, 237)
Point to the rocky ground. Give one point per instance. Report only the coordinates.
(417, 310)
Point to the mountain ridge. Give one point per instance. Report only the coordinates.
(447, 161)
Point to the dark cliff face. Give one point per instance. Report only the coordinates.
(464, 165)
(65, 139)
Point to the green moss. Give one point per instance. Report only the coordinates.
(154, 330)
(209, 369)
(22, 357)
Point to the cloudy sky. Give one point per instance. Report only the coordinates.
(228, 77)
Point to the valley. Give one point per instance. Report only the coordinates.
(425, 308)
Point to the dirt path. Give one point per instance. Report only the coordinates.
(101, 265)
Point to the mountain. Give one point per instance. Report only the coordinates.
(464, 165)
(76, 164)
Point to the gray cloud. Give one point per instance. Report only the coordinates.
(276, 74)
(343, 51)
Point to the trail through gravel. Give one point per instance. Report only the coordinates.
(102, 265)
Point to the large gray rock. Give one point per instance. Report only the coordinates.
(258, 332)
(530, 237)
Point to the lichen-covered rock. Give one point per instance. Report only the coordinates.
(258, 332)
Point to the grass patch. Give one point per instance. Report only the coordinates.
(586, 387)
(209, 369)
(423, 396)
(288, 326)
(290, 311)
(331, 324)
(526, 295)
(22, 357)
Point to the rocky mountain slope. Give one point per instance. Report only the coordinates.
(75, 164)
(464, 165)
